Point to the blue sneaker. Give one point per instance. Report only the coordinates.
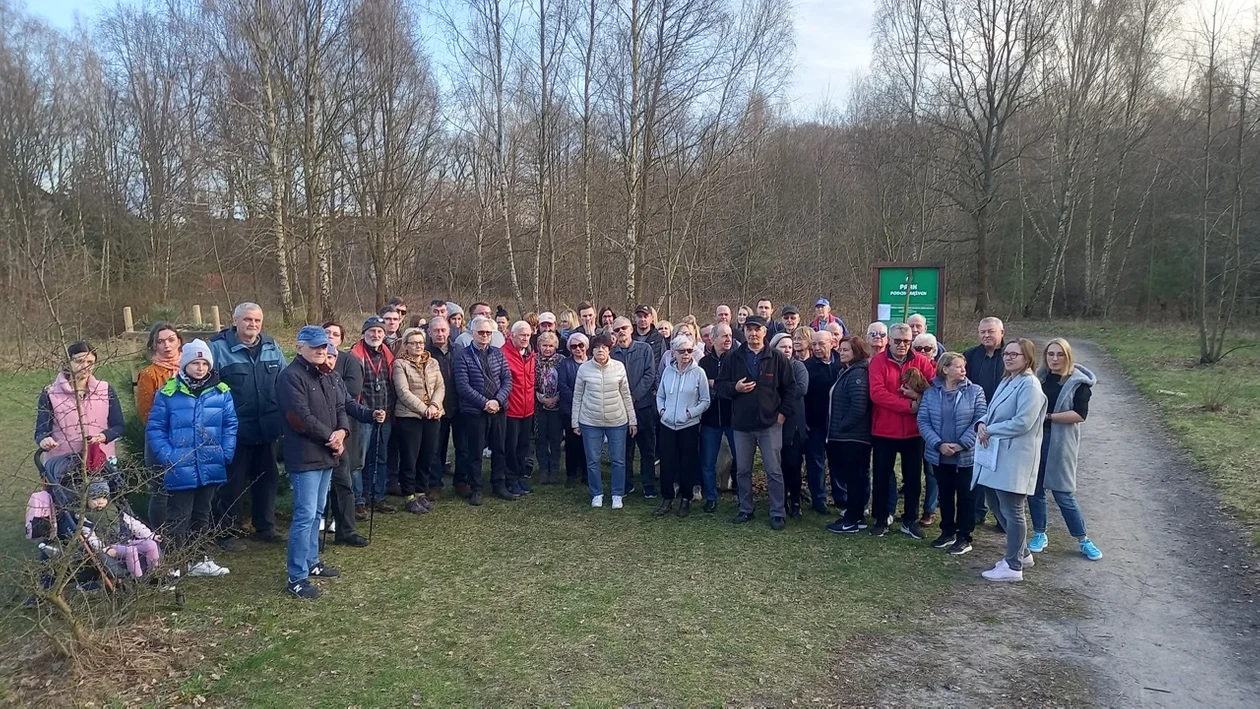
(521, 488)
(1038, 542)
(1090, 551)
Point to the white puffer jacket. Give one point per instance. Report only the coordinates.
(601, 395)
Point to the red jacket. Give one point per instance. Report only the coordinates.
(891, 415)
(521, 399)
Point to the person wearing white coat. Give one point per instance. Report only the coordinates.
(603, 410)
(1013, 425)
(681, 397)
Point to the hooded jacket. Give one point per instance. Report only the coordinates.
(251, 374)
(682, 397)
(192, 436)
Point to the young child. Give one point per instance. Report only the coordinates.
(118, 535)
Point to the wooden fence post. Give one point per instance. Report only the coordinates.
(129, 323)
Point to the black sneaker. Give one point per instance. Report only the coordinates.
(911, 529)
(324, 572)
(794, 511)
(629, 488)
(822, 508)
(960, 547)
(742, 518)
(664, 508)
(684, 507)
(649, 492)
(837, 526)
(302, 589)
(230, 543)
(852, 528)
(879, 530)
(777, 523)
(353, 540)
(710, 506)
(943, 541)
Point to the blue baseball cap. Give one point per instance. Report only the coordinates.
(312, 336)
(822, 301)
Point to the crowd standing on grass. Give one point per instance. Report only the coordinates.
(547, 398)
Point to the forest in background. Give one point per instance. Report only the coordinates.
(1086, 158)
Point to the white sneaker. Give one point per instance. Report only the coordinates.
(1028, 563)
(321, 524)
(597, 501)
(207, 567)
(332, 525)
(616, 502)
(485, 453)
(1003, 574)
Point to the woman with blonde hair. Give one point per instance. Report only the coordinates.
(1012, 430)
(1067, 387)
(417, 417)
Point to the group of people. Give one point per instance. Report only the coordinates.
(545, 398)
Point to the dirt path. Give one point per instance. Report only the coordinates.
(1168, 618)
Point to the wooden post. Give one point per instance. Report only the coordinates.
(196, 314)
(129, 323)
(214, 318)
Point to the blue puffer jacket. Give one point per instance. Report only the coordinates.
(968, 407)
(192, 438)
(470, 380)
(251, 374)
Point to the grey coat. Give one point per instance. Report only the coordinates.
(1014, 422)
(1065, 438)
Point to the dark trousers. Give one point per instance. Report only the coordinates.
(549, 425)
(574, 452)
(645, 442)
(884, 452)
(417, 446)
(851, 461)
(475, 433)
(440, 461)
(680, 461)
(791, 458)
(816, 468)
(188, 515)
(254, 467)
(519, 432)
(954, 484)
(391, 462)
(341, 487)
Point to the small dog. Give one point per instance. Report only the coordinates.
(913, 380)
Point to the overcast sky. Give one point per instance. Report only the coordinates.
(832, 44)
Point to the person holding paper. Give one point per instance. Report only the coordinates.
(1012, 428)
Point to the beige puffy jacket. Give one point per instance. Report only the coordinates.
(601, 395)
(418, 388)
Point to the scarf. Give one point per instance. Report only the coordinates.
(546, 376)
(170, 364)
(420, 361)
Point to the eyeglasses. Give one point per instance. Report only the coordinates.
(902, 342)
(485, 332)
(401, 311)
(877, 335)
(925, 348)
(416, 343)
(1012, 355)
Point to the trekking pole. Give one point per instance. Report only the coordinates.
(373, 452)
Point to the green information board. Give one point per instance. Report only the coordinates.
(899, 290)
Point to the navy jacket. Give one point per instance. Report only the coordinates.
(251, 374)
(566, 377)
(470, 380)
(718, 415)
(641, 371)
(850, 416)
(446, 364)
(192, 437)
(314, 405)
(822, 375)
(985, 371)
(653, 339)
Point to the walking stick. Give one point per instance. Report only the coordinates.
(373, 452)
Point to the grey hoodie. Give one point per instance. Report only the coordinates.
(682, 396)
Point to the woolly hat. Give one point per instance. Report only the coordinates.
(193, 351)
(779, 338)
(453, 309)
(371, 322)
(98, 487)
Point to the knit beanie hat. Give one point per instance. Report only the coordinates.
(779, 338)
(193, 351)
(98, 487)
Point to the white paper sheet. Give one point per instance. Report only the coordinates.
(884, 312)
(987, 456)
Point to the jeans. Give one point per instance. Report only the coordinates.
(645, 442)
(1011, 508)
(417, 445)
(884, 452)
(710, 446)
(374, 437)
(516, 443)
(770, 441)
(574, 452)
(680, 460)
(980, 494)
(310, 490)
(956, 505)
(593, 438)
(254, 466)
(816, 469)
(931, 493)
(851, 461)
(188, 515)
(475, 433)
(550, 430)
(1066, 501)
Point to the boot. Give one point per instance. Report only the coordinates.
(434, 494)
(463, 490)
(501, 492)
(684, 507)
(664, 508)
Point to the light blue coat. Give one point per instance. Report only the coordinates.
(1014, 421)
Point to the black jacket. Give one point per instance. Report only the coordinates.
(350, 369)
(984, 370)
(850, 417)
(718, 415)
(774, 394)
(446, 363)
(312, 406)
(655, 339)
(794, 427)
(818, 399)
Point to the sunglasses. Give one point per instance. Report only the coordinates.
(925, 348)
(877, 335)
(577, 346)
(683, 351)
(402, 311)
(485, 332)
(902, 342)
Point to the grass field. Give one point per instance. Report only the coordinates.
(539, 601)
(1213, 410)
